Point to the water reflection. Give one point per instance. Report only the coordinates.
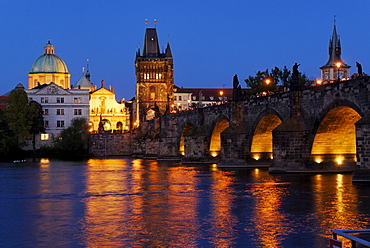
(145, 203)
(268, 220)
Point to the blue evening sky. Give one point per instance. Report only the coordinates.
(210, 40)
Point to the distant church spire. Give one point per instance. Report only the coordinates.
(87, 70)
(335, 62)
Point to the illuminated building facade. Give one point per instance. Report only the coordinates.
(59, 107)
(49, 85)
(335, 68)
(106, 114)
(154, 79)
(185, 98)
(49, 68)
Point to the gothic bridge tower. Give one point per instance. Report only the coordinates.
(335, 68)
(154, 79)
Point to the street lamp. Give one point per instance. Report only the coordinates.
(221, 96)
(338, 64)
(267, 82)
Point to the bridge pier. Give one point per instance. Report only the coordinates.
(233, 147)
(362, 172)
(196, 146)
(291, 150)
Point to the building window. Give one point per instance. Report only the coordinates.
(174, 98)
(77, 112)
(60, 111)
(77, 100)
(60, 123)
(30, 99)
(158, 76)
(179, 98)
(44, 136)
(46, 123)
(60, 99)
(45, 111)
(44, 99)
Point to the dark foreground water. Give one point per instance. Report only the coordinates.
(141, 203)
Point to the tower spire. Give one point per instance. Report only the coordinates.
(87, 70)
(335, 68)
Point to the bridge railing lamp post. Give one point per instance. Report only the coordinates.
(267, 84)
(221, 96)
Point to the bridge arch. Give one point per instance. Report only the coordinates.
(261, 141)
(334, 133)
(186, 129)
(215, 137)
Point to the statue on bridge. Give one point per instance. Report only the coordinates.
(295, 77)
(359, 69)
(237, 90)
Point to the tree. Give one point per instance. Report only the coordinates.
(9, 147)
(265, 81)
(17, 113)
(37, 122)
(72, 144)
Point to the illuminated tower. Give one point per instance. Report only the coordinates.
(49, 68)
(335, 68)
(154, 78)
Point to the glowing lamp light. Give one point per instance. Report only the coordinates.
(267, 81)
(256, 157)
(318, 160)
(318, 82)
(339, 160)
(338, 64)
(214, 154)
(221, 93)
(183, 153)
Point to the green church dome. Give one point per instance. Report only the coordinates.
(49, 62)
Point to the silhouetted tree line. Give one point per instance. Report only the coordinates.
(274, 81)
(22, 120)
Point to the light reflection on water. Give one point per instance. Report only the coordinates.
(144, 203)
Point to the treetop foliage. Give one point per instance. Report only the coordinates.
(267, 81)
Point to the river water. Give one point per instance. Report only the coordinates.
(145, 203)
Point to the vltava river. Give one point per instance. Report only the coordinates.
(145, 203)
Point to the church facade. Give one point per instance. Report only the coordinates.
(106, 114)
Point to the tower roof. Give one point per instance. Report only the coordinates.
(335, 51)
(83, 82)
(151, 45)
(49, 62)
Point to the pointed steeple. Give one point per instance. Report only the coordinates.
(151, 45)
(168, 51)
(88, 75)
(335, 50)
(335, 68)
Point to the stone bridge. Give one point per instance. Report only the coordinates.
(318, 129)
